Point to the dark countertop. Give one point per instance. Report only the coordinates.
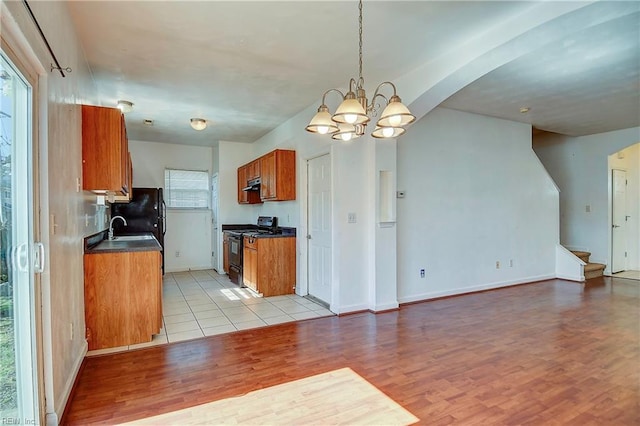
(284, 231)
(98, 243)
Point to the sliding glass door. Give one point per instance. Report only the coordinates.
(19, 255)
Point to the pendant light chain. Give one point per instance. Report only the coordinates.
(360, 80)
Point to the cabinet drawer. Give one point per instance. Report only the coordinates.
(251, 242)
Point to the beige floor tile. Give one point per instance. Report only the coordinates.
(203, 300)
(291, 307)
(181, 326)
(246, 325)
(267, 311)
(176, 310)
(209, 314)
(277, 298)
(323, 312)
(278, 320)
(174, 319)
(221, 329)
(185, 335)
(305, 315)
(204, 307)
(241, 316)
(237, 310)
(213, 322)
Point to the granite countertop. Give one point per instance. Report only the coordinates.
(98, 243)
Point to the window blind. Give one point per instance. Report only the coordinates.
(186, 189)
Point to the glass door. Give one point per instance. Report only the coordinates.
(18, 253)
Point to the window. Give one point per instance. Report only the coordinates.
(186, 189)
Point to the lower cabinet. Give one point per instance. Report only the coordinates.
(225, 252)
(123, 298)
(269, 265)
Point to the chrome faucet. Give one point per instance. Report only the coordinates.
(111, 225)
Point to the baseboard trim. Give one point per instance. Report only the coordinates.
(351, 309)
(569, 278)
(187, 269)
(473, 289)
(385, 307)
(70, 387)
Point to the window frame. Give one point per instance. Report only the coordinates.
(167, 189)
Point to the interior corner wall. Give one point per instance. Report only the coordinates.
(579, 166)
(67, 214)
(187, 244)
(479, 211)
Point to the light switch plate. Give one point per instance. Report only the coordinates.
(351, 218)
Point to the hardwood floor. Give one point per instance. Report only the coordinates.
(548, 353)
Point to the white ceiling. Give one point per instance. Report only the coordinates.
(247, 67)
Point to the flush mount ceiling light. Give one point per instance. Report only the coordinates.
(351, 117)
(125, 106)
(524, 110)
(198, 123)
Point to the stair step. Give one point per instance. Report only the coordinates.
(583, 255)
(593, 270)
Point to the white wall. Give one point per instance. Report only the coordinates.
(188, 231)
(64, 208)
(475, 195)
(579, 166)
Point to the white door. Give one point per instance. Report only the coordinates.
(319, 226)
(214, 223)
(20, 257)
(618, 221)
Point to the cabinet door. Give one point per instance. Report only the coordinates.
(225, 252)
(250, 268)
(106, 298)
(242, 182)
(254, 170)
(142, 288)
(268, 176)
(104, 150)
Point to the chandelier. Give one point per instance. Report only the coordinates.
(351, 117)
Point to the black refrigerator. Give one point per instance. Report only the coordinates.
(146, 212)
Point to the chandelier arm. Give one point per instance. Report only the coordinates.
(376, 95)
(329, 91)
(377, 92)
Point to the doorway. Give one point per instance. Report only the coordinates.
(215, 258)
(21, 259)
(319, 225)
(619, 221)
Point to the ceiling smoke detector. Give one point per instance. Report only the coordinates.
(147, 122)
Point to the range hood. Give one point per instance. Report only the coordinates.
(252, 185)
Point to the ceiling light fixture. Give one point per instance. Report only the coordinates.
(524, 110)
(198, 123)
(125, 106)
(351, 117)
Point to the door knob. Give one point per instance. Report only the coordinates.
(616, 226)
(308, 237)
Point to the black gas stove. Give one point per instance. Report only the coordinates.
(266, 225)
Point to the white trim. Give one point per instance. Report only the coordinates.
(348, 309)
(473, 289)
(569, 278)
(386, 307)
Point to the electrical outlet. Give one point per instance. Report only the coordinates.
(86, 220)
(177, 253)
(71, 331)
(421, 273)
(497, 264)
(351, 218)
(510, 263)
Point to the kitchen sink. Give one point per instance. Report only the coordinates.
(132, 237)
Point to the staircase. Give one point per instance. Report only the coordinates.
(591, 270)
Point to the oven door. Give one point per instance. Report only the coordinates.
(235, 251)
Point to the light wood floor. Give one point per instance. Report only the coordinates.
(548, 353)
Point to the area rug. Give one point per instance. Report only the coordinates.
(339, 397)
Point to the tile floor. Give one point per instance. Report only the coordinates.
(634, 275)
(205, 303)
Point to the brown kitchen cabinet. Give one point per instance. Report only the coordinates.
(269, 265)
(253, 169)
(246, 197)
(278, 176)
(225, 252)
(105, 151)
(123, 298)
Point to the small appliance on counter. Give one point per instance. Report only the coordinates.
(146, 212)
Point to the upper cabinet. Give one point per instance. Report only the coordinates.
(246, 197)
(278, 176)
(106, 164)
(277, 173)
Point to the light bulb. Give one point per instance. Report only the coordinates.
(350, 118)
(346, 136)
(387, 132)
(395, 120)
(323, 129)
